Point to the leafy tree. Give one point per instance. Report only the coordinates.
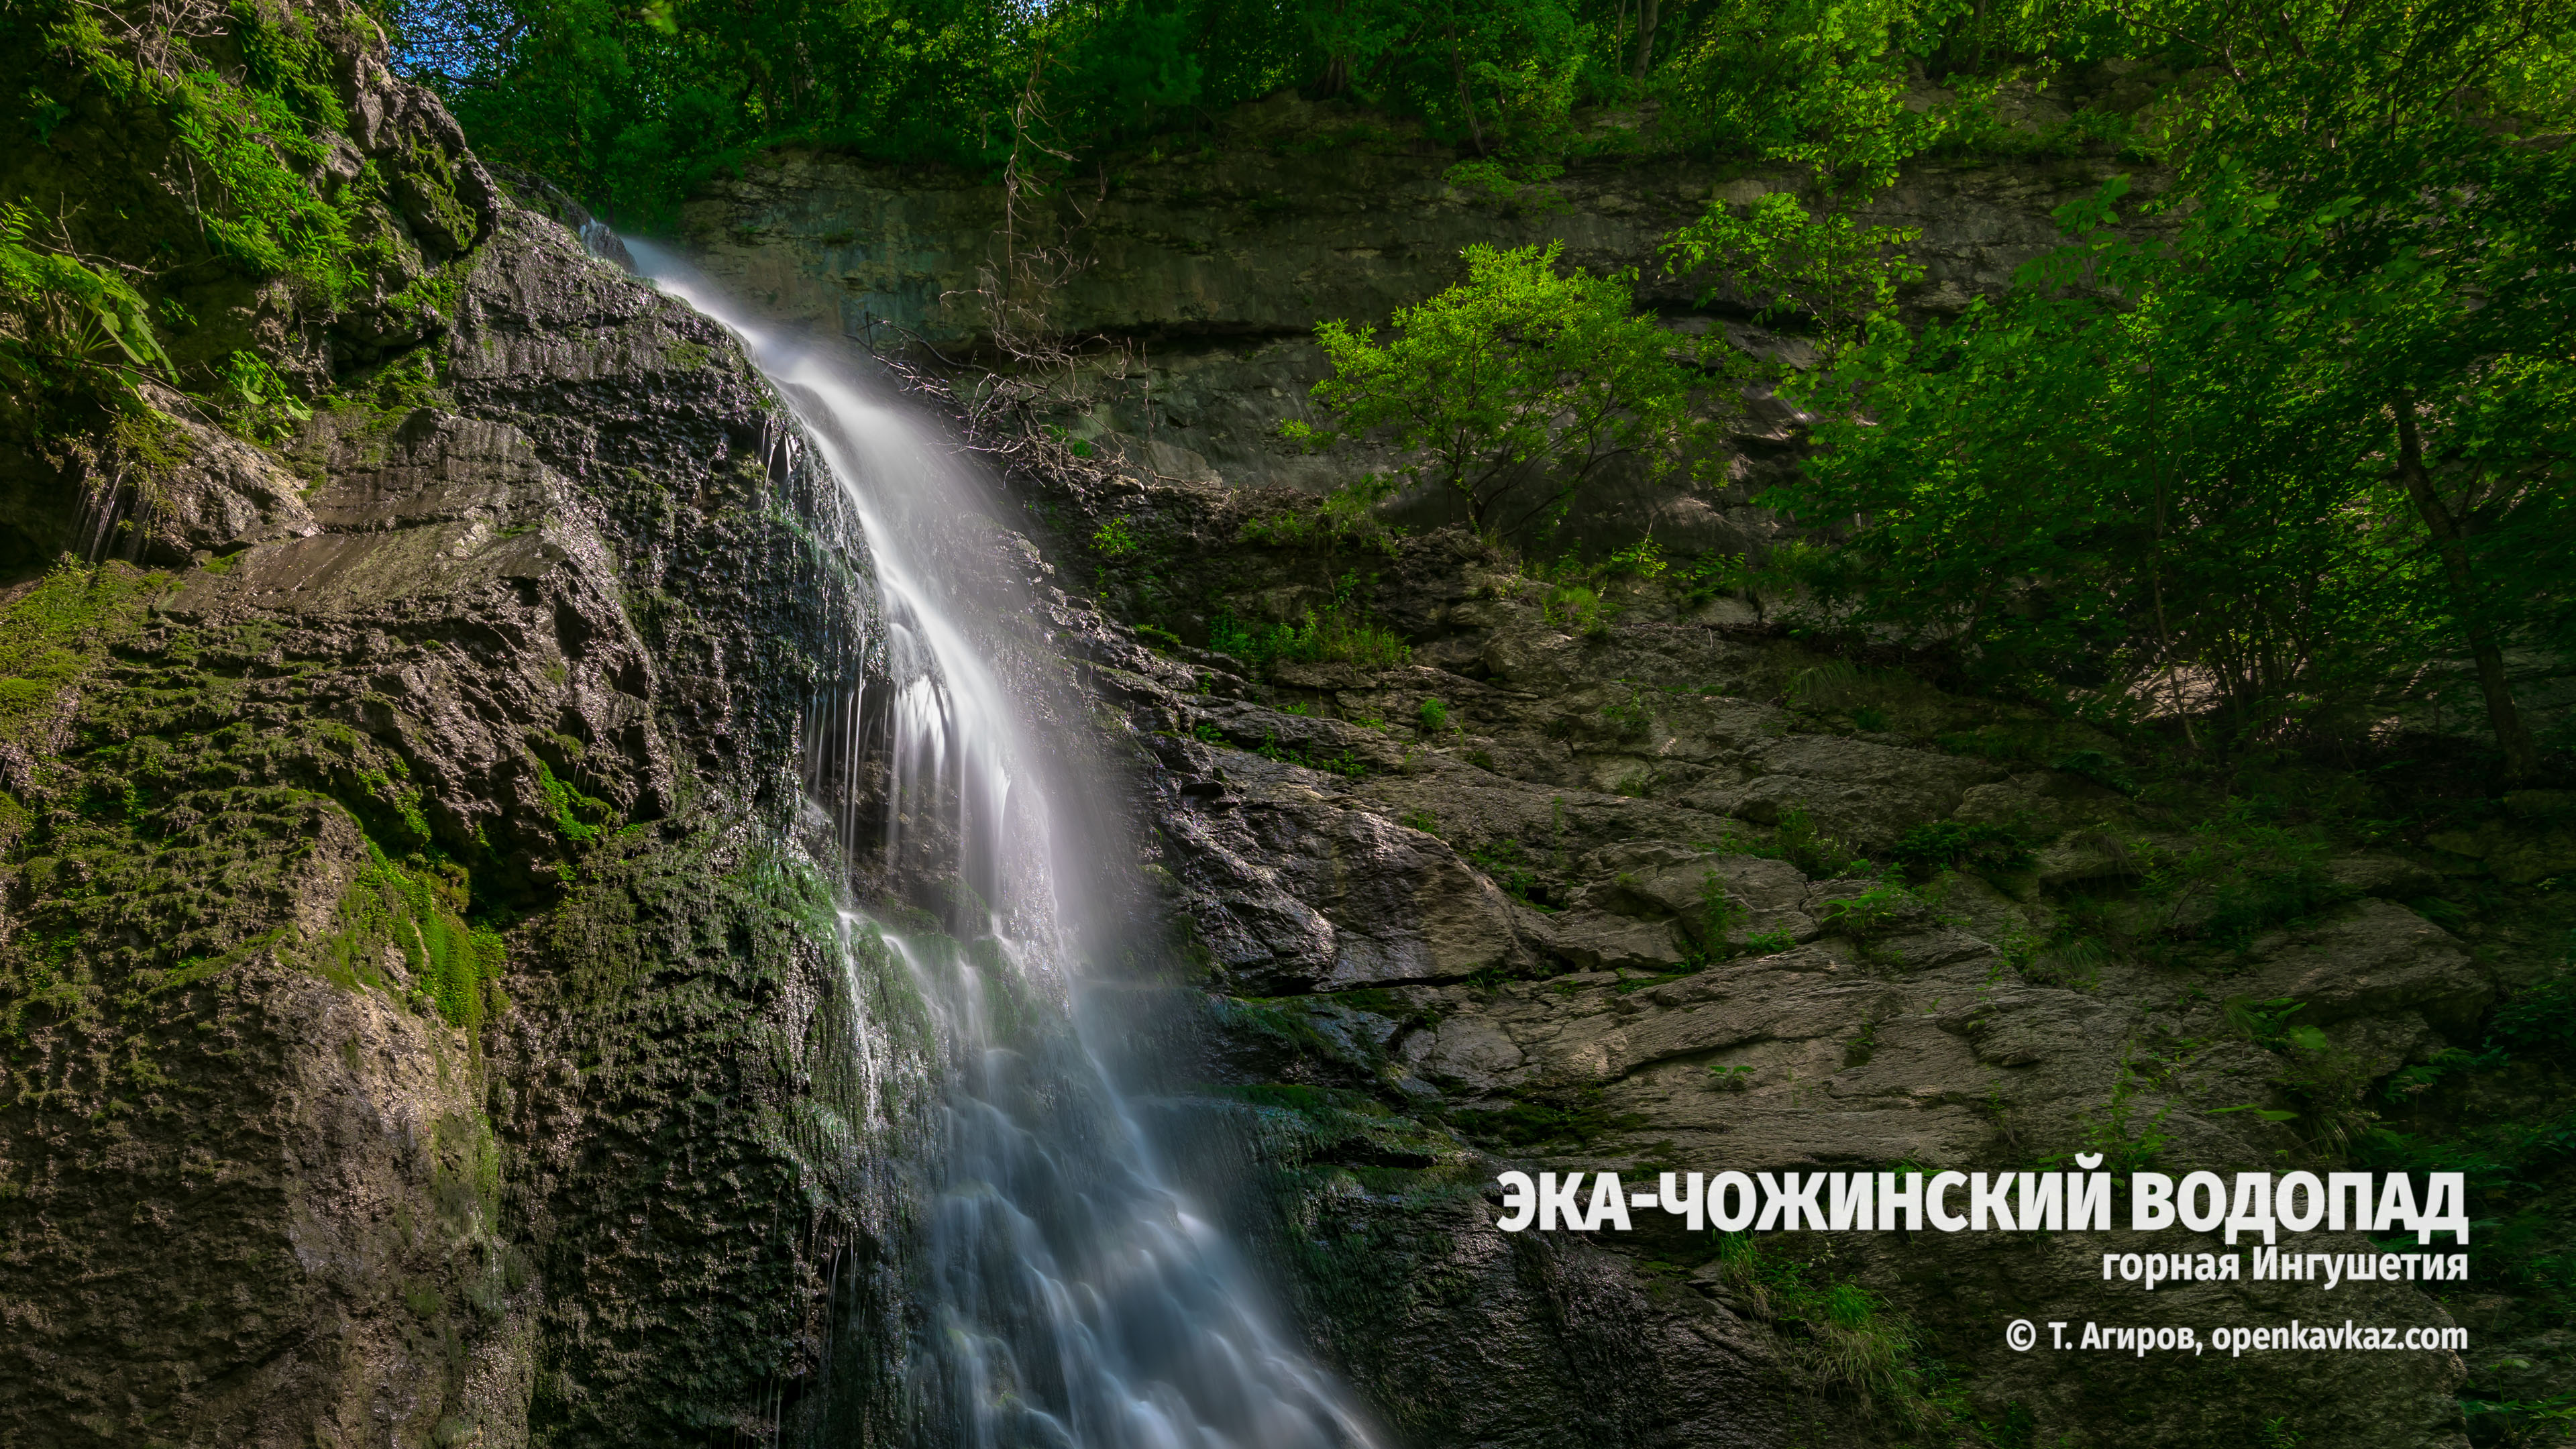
(1516, 386)
(2293, 457)
(633, 104)
(1826, 270)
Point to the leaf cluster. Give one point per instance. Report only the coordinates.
(1512, 390)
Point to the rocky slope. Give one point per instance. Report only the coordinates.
(1601, 917)
(1588, 882)
(417, 1023)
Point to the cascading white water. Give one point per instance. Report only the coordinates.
(1073, 1297)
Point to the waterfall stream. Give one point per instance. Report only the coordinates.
(1072, 1296)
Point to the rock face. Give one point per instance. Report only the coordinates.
(418, 1023)
(1687, 966)
(1212, 270)
(1603, 908)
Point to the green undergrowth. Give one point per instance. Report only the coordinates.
(2515, 1159)
(1345, 518)
(1843, 1336)
(1800, 841)
(417, 913)
(1344, 762)
(201, 164)
(79, 326)
(1339, 633)
(254, 136)
(1928, 849)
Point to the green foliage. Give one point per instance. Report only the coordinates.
(2265, 466)
(1114, 539)
(2541, 1019)
(635, 104)
(1331, 635)
(1798, 840)
(1821, 85)
(1708, 576)
(1339, 633)
(64, 322)
(1630, 718)
(2537, 1022)
(258, 150)
(256, 402)
(1434, 715)
(1521, 194)
(1828, 271)
(1840, 1332)
(1642, 561)
(1926, 850)
(1345, 763)
(2126, 1136)
(2242, 876)
(1575, 606)
(221, 139)
(1517, 385)
(2265, 1023)
(1882, 907)
(1344, 518)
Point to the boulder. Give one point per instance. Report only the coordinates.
(2370, 958)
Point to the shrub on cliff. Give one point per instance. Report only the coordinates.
(1514, 389)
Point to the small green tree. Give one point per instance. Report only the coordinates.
(1827, 269)
(1515, 387)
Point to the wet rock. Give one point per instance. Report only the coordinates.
(448, 854)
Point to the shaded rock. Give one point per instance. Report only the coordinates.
(1863, 792)
(2372, 957)
(2382, 875)
(1297, 890)
(1600, 941)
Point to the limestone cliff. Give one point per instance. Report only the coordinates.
(1575, 887)
(1209, 270)
(417, 1024)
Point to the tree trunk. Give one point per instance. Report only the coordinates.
(1458, 68)
(2521, 760)
(1645, 35)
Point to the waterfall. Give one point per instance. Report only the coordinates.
(1069, 1296)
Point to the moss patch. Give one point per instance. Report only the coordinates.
(50, 637)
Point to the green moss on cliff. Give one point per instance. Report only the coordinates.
(418, 914)
(58, 629)
(685, 1242)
